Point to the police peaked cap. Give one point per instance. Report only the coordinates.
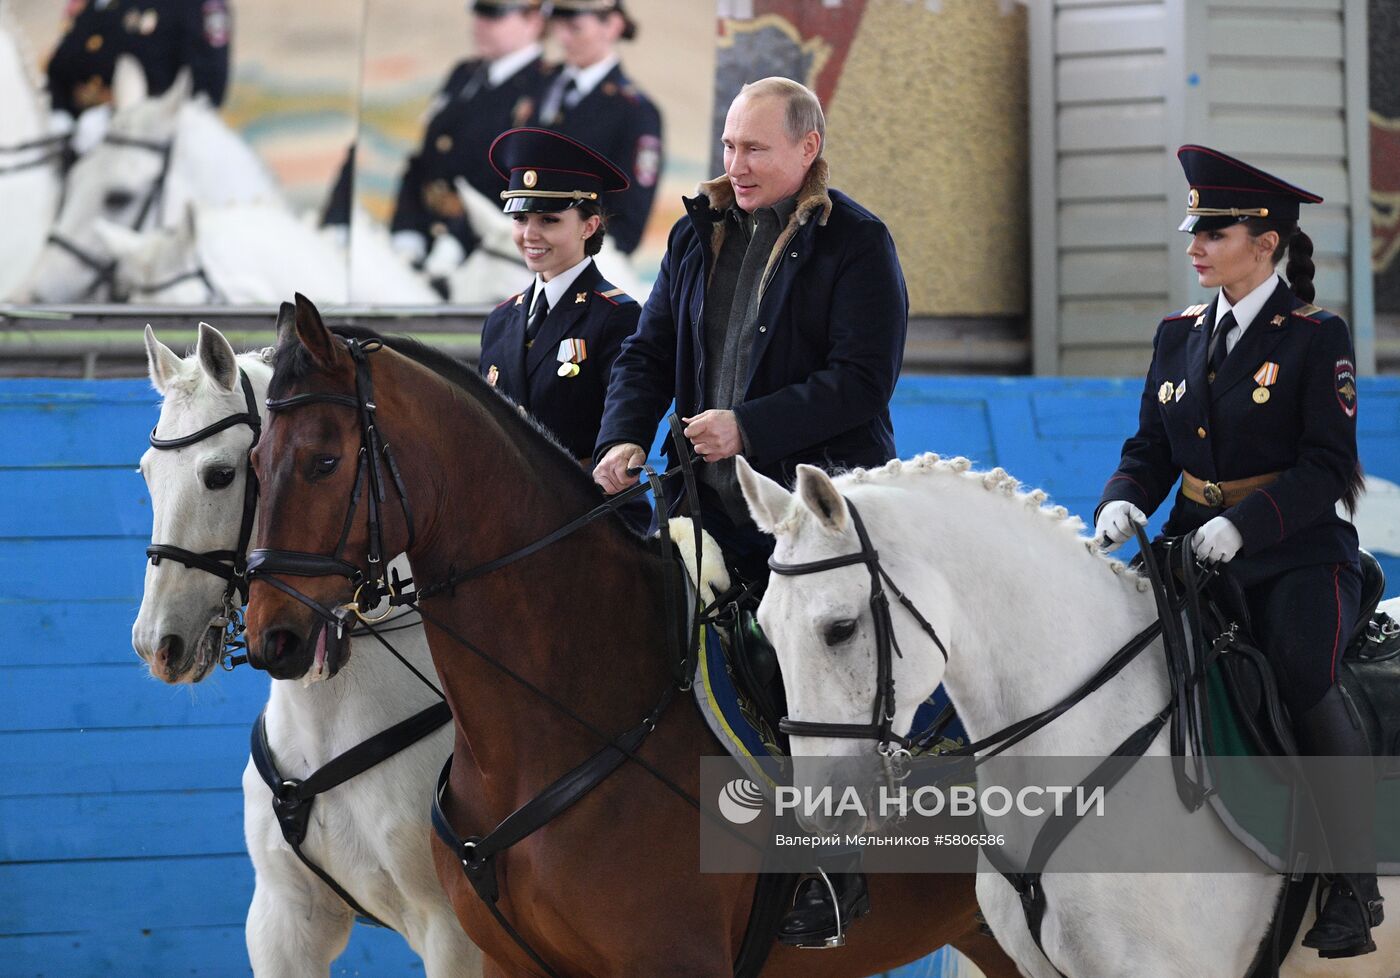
(549, 171)
(1225, 191)
(499, 8)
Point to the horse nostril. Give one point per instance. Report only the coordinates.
(170, 651)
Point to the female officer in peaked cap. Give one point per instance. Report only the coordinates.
(1251, 400)
(551, 347)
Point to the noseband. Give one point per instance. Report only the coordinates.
(105, 271)
(370, 585)
(880, 728)
(229, 565)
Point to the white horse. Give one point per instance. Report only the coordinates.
(962, 545)
(247, 253)
(371, 833)
(160, 153)
(29, 166)
(495, 270)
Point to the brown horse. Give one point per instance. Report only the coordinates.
(611, 887)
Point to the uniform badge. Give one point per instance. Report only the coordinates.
(572, 352)
(648, 162)
(529, 178)
(1180, 391)
(443, 144)
(520, 299)
(609, 88)
(131, 21)
(216, 22)
(1164, 393)
(580, 298)
(1266, 376)
(149, 21)
(1276, 321)
(1193, 198)
(493, 375)
(522, 111)
(1345, 373)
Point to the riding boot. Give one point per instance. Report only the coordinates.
(1345, 802)
(815, 920)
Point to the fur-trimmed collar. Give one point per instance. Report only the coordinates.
(812, 196)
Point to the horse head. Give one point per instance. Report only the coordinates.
(156, 266)
(328, 517)
(198, 493)
(121, 179)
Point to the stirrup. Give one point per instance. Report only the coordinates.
(835, 940)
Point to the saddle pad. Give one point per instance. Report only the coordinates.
(748, 739)
(1253, 802)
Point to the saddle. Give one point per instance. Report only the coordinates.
(1369, 674)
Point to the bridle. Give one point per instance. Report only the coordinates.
(212, 293)
(51, 150)
(880, 728)
(105, 270)
(228, 565)
(372, 584)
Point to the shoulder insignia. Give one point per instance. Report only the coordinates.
(516, 299)
(615, 296)
(1313, 314)
(1189, 312)
(612, 292)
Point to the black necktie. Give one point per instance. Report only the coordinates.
(537, 317)
(1218, 349)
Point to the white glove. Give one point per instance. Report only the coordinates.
(1217, 541)
(411, 245)
(92, 127)
(1115, 524)
(447, 253)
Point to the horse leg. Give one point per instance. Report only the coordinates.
(445, 949)
(296, 927)
(1002, 909)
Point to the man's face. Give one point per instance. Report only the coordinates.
(763, 163)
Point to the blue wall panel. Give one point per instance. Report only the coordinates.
(120, 810)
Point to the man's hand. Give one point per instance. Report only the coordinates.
(1217, 541)
(715, 435)
(611, 472)
(1115, 524)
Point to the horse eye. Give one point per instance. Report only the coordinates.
(220, 478)
(840, 631)
(324, 465)
(117, 200)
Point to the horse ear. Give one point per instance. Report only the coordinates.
(819, 494)
(313, 332)
(216, 357)
(161, 362)
(128, 83)
(768, 501)
(179, 92)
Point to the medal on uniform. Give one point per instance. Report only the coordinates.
(1164, 393)
(493, 375)
(1180, 391)
(572, 352)
(1266, 376)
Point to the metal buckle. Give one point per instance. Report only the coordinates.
(1214, 495)
(389, 594)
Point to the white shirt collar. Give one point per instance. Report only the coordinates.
(503, 69)
(587, 79)
(555, 288)
(1248, 307)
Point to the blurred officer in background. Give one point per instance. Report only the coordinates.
(589, 98)
(482, 98)
(164, 35)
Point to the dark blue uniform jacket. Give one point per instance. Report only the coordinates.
(617, 120)
(832, 322)
(1305, 429)
(164, 35)
(593, 311)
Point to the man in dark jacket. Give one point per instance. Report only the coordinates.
(777, 324)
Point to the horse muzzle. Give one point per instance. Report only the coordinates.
(314, 655)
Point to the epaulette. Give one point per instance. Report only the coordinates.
(1313, 314)
(1189, 312)
(518, 298)
(612, 295)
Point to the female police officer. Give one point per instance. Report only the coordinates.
(551, 347)
(1251, 399)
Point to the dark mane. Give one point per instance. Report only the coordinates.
(293, 364)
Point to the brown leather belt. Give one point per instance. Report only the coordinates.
(1222, 493)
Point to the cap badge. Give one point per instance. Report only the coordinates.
(1193, 198)
(529, 178)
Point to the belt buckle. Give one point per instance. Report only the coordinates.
(1214, 495)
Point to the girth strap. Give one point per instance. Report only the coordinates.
(477, 854)
(292, 798)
